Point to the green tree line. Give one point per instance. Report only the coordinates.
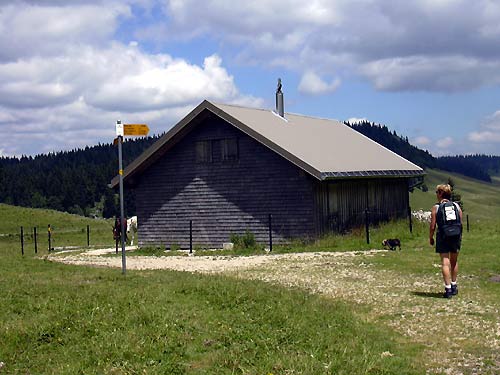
(479, 167)
(77, 181)
(73, 181)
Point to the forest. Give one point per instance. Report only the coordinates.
(77, 181)
(480, 167)
(73, 181)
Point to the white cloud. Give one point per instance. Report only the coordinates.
(70, 61)
(422, 141)
(64, 81)
(141, 82)
(312, 84)
(357, 120)
(92, 88)
(450, 73)
(34, 30)
(485, 136)
(489, 131)
(445, 143)
(445, 45)
(118, 78)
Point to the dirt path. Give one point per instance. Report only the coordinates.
(460, 336)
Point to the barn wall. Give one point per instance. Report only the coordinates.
(341, 204)
(223, 198)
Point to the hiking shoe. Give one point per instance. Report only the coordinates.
(454, 289)
(447, 293)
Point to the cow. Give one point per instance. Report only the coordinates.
(132, 228)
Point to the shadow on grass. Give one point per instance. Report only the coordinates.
(428, 294)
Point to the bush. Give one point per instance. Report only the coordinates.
(245, 241)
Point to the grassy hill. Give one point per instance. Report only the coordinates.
(67, 229)
(481, 199)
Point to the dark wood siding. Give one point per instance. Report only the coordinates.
(341, 204)
(223, 197)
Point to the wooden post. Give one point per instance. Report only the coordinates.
(35, 239)
(410, 219)
(270, 232)
(367, 226)
(190, 236)
(467, 223)
(88, 235)
(49, 233)
(22, 241)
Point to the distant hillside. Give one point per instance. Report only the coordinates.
(72, 181)
(481, 199)
(479, 167)
(76, 181)
(396, 143)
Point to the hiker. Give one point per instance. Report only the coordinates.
(117, 232)
(447, 215)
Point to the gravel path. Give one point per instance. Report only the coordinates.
(460, 336)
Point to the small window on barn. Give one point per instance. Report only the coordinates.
(229, 149)
(204, 152)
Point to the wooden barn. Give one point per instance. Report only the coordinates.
(228, 168)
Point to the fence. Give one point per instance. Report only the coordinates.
(366, 218)
(371, 218)
(34, 237)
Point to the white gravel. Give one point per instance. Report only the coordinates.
(203, 264)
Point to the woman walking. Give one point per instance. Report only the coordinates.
(447, 216)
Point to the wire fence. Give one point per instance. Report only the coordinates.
(66, 238)
(35, 239)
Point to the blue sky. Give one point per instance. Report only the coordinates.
(429, 69)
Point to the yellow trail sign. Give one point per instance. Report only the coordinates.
(135, 129)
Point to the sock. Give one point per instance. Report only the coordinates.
(453, 283)
(447, 286)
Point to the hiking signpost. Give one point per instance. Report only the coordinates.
(121, 131)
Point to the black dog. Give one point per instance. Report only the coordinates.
(392, 243)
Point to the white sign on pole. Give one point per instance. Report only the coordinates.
(119, 128)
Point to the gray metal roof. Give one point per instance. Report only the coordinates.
(322, 147)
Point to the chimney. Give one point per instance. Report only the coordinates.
(280, 105)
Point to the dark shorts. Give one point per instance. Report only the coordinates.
(448, 244)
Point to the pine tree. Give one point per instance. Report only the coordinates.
(455, 196)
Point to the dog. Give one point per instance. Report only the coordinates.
(392, 243)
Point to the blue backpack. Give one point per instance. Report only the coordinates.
(448, 219)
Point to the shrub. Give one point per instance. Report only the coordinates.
(245, 241)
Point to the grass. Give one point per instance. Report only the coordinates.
(61, 319)
(67, 229)
(481, 199)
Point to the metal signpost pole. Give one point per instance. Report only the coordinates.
(121, 131)
(119, 125)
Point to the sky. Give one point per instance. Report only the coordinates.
(428, 69)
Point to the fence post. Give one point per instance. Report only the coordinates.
(410, 219)
(270, 232)
(88, 235)
(49, 232)
(22, 241)
(467, 223)
(367, 226)
(190, 236)
(35, 239)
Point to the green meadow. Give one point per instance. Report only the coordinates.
(66, 319)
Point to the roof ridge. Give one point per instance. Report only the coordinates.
(273, 111)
